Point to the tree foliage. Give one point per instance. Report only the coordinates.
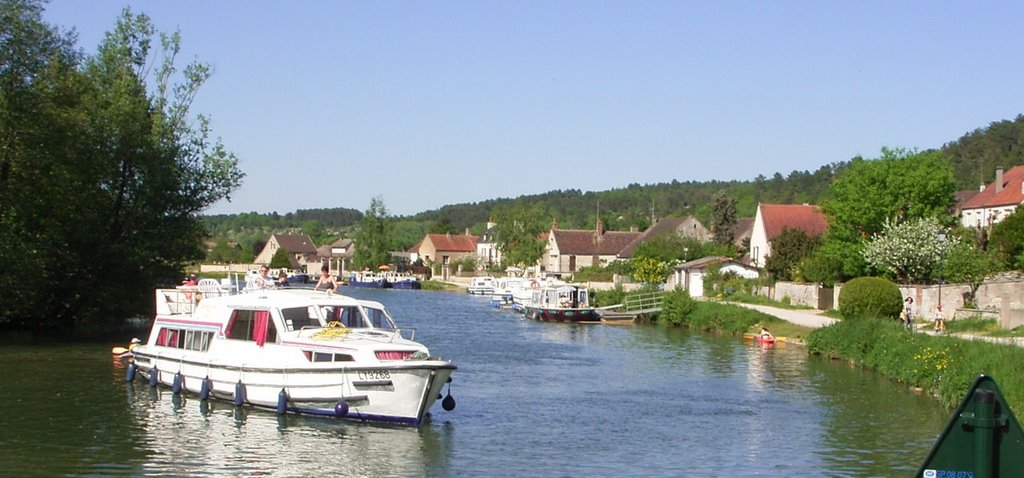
(650, 271)
(1007, 239)
(723, 218)
(789, 248)
(372, 242)
(103, 170)
(518, 231)
(911, 251)
(900, 185)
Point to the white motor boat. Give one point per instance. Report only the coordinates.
(483, 285)
(295, 351)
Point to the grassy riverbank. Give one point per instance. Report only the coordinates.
(943, 366)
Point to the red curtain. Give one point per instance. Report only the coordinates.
(259, 330)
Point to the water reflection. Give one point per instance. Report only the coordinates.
(183, 435)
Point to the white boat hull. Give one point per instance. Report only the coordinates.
(399, 393)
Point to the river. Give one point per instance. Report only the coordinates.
(533, 399)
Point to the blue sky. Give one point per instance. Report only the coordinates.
(331, 103)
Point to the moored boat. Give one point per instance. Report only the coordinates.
(483, 285)
(374, 280)
(561, 303)
(401, 280)
(294, 351)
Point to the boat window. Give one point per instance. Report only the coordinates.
(184, 339)
(348, 316)
(251, 325)
(295, 318)
(327, 357)
(378, 318)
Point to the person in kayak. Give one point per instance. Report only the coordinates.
(765, 335)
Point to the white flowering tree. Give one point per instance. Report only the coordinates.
(912, 250)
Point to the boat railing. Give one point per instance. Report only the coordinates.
(178, 301)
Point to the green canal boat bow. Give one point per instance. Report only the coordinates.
(982, 440)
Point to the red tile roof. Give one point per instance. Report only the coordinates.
(802, 217)
(296, 244)
(586, 243)
(453, 242)
(1010, 194)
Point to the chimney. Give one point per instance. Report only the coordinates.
(491, 223)
(999, 180)
(554, 224)
(599, 228)
(467, 231)
(634, 228)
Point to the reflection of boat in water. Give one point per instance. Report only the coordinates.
(183, 436)
(294, 350)
(561, 303)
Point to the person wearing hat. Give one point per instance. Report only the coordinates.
(326, 281)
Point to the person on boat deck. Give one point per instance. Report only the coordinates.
(191, 280)
(326, 281)
(766, 335)
(263, 280)
(282, 279)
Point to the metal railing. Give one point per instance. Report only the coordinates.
(643, 301)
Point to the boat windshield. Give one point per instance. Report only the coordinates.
(295, 318)
(354, 317)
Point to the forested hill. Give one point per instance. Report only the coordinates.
(974, 157)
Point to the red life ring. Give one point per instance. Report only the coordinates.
(534, 285)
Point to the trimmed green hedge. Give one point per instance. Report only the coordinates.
(870, 297)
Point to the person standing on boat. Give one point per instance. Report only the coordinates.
(326, 281)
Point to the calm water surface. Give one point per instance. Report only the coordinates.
(534, 399)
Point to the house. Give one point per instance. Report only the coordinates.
(772, 219)
(568, 250)
(996, 201)
(337, 255)
(487, 252)
(688, 226)
(447, 248)
(689, 276)
(300, 248)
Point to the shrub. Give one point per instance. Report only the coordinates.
(605, 298)
(676, 306)
(870, 297)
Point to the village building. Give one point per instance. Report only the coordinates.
(771, 219)
(996, 201)
(446, 249)
(689, 276)
(568, 250)
(688, 226)
(300, 248)
(487, 252)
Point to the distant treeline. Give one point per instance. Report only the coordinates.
(974, 158)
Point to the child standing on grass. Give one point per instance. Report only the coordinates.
(940, 321)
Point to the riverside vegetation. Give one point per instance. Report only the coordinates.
(942, 366)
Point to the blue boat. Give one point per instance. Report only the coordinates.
(374, 280)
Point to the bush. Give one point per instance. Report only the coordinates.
(605, 298)
(870, 297)
(676, 306)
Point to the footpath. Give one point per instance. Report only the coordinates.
(813, 319)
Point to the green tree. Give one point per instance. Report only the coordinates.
(518, 232)
(789, 248)
(443, 225)
(965, 262)
(1007, 239)
(899, 185)
(911, 251)
(650, 271)
(723, 222)
(373, 240)
(103, 170)
(280, 259)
